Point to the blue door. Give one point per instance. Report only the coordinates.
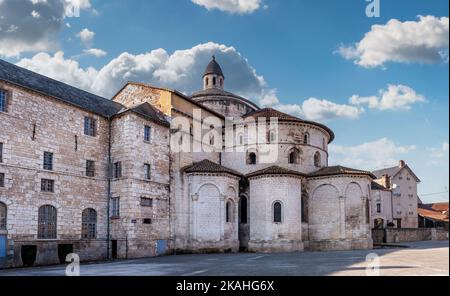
(2, 246)
(161, 246)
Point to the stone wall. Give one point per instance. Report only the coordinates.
(395, 235)
(136, 235)
(338, 212)
(34, 124)
(265, 234)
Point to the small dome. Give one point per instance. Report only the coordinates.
(213, 68)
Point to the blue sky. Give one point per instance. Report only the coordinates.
(286, 52)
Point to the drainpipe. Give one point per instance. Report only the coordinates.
(108, 228)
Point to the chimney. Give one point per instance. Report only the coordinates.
(401, 163)
(385, 181)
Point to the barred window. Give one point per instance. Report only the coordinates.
(89, 224)
(117, 170)
(115, 207)
(306, 139)
(3, 100)
(47, 218)
(90, 126)
(2, 179)
(3, 213)
(48, 161)
(1, 152)
(277, 212)
(147, 133)
(146, 202)
(148, 171)
(47, 185)
(90, 168)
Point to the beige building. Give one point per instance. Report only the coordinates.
(403, 182)
(121, 178)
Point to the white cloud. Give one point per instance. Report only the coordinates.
(396, 97)
(370, 156)
(32, 25)
(231, 6)
(181, 70)
(441, 152)
(95, 52)
(35, 14)
(422, 41)
(312, 108)
(86, 36)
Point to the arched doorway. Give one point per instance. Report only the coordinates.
(244, 225)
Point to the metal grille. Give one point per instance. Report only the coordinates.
(89, 224)
(47, 222)
(48, 161)
(47, 185)
(117, 170)
(90, 126)
(3, 97)
(2, 216)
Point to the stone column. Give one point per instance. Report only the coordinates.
(193, 234)
(342, 215)
(222, 216)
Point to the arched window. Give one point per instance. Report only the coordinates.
(251, 158)
(229, 212)
(89, 224)
(211, 140)
(317, 160)
(214, 81)
(3, 216)
(277, 212)
(306, 139)
(244, 210)
(241, 139)
(207, 81)
(221, 82)
(47, 222)
(294, 156)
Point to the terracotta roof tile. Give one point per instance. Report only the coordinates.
(275, 170)
(272, 113)
(207, 166)
(340, 170)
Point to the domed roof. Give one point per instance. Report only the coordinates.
(213, 68)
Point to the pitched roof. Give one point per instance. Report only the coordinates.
(207, 166)
(393, 171)
(58, 90)
(212, 92)
(149, 112)
(213, 68)
(339, 170)
(376, 186)
(428, 211)
(272, 113)
(275, 170)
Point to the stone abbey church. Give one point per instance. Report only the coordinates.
(97, 177)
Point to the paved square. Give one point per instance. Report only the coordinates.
(421, 258)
